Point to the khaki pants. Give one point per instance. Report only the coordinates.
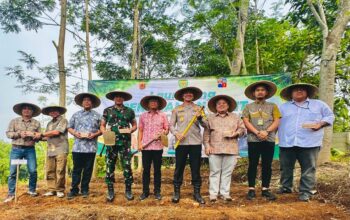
(221, 167)
(56, 172)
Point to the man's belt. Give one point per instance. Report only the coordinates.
(22, 146)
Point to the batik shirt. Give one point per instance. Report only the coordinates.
(153, 123)
(85, 122)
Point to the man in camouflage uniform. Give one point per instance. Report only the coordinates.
(118, 119)
(191, 143)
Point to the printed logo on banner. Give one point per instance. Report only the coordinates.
(183, 83)
(142, 85)
(222, 83)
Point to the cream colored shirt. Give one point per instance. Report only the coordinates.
(216, 134)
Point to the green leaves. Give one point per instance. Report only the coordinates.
(17, 13)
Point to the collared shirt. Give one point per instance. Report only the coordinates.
(290, 131)
(85, 122)
(180, 118)
(19, 124)
(265, 112)
(215, 136)
(152, 123)
(58, 144)
(119, 118)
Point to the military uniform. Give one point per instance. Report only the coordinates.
(117, 119)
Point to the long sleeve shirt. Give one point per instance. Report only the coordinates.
(294, 116)
(18, 125)
(214, 135)
(180, 118)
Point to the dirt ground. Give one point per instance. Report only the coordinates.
(95, 207)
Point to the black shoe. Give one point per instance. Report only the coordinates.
(283, 191)
(157, 195)
(304, 197)
(251, 194)
(71, 195)
(85, 194)
(176, 196)
(110, 193)
(144, 196)
(268, 195)
(197, 196)
(128, 194)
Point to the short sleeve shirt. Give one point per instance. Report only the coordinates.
(85, 122)
(264, 111)
(152, 124)
(58, 144)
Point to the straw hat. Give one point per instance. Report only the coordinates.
(94, 99)
(145, 100)
(127, 96)
(49, 109)
(286, 92)
(230, 101)
(18, 108)
(271, 88)
(197, 93)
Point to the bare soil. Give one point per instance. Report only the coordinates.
(324, 206)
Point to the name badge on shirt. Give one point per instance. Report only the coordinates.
(261, 121)
(182, 118)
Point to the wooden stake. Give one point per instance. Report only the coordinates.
(17, 175)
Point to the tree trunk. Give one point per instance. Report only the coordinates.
(139, 49)
(257, 56)
(135, 41)
(60, 54)
(87, 40)
(331, 44)
(238, 54)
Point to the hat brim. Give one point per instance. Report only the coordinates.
(230, 101)
(94, 99)
(145, 100)
(271, 87)
(286, 92)
(18, 108)
(47, 110)
(126, 96)
(197, 93)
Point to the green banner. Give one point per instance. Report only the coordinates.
(232, 85)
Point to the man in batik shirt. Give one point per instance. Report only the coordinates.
(84, 126)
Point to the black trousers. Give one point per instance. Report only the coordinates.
(149, 157)
(195, 153)
(265, 150)
(83, 164)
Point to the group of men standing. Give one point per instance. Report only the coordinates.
(299, 123)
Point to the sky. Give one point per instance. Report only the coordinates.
(40, 45)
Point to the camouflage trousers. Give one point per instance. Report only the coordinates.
(125, 159)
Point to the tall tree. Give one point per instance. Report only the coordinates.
(135, 68)
(60, 53)
(33, 15)
(224, 22)
(87, 40)
(238, 65)
(124, 28)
